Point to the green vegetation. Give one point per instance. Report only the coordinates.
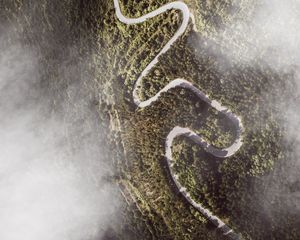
(230, 188)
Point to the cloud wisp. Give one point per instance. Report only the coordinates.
(47, 190)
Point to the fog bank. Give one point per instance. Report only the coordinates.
(49, 188)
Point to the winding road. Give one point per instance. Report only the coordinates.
(180, 131)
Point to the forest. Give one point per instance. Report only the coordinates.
(231, 188)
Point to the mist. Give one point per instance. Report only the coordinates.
(265, 40)
(49, 188)
(269, 31)
(270, 37)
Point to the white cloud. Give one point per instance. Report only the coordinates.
(46, 191)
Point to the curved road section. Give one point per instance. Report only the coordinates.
(180, 131)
